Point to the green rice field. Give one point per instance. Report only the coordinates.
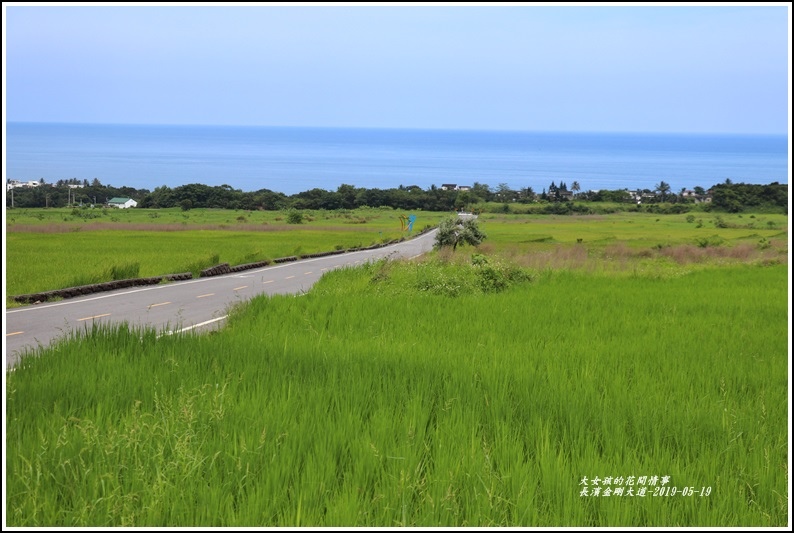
(145, 243)
(155, 242)
(592, 372)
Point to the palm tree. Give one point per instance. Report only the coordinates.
(663, 188)
(575, 187)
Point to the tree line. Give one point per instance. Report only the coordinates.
(728, 196)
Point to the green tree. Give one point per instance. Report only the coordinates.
(454, 231)
(347, 196)
(663, 189)
(526, 195)
(462, 200)
(727, 198)
(482, 191)
(504, 193)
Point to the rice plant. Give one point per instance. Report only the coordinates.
(371, 401)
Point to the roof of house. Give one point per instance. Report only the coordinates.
(119, 200)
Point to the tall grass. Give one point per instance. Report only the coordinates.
(93, 257)
(371, 401)
(60, 220)
(537, 242)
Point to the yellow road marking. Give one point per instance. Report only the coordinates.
(306, 273)
(15, 333)
(90, 317)
(156, 305)
(289, 277)
(238, 288)
(268, 281)
(205, 295)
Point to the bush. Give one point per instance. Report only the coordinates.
(294, 217)
(706, 242)
(453, 232)
(495, 276)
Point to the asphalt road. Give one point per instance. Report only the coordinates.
(182, 305)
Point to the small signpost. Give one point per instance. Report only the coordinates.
(407, 222)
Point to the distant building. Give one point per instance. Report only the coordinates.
(698, 198)
(13, 184)
(640, 195)
(454, 187)
(122, 203)
(559, 193)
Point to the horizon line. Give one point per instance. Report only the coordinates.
(399, 128)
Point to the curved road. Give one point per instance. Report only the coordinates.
(181, 305)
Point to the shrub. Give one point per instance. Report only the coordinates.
(452, 232)
(294, 217)
(706, 242)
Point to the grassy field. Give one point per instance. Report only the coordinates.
(143, 243)
(63, 220)
(481, 388)
(156, 242)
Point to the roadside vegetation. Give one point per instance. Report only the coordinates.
(485, 386)
(158, 242)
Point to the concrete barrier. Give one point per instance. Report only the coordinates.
(72, 292)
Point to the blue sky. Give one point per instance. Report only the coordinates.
(559, 68)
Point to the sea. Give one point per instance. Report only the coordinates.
(295, 159)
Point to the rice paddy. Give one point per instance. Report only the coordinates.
(88, 251)
(551, 382)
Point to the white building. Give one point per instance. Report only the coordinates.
(13, 184)
(454, 187)
(122, 203)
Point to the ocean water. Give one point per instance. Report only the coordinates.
(291, 160)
